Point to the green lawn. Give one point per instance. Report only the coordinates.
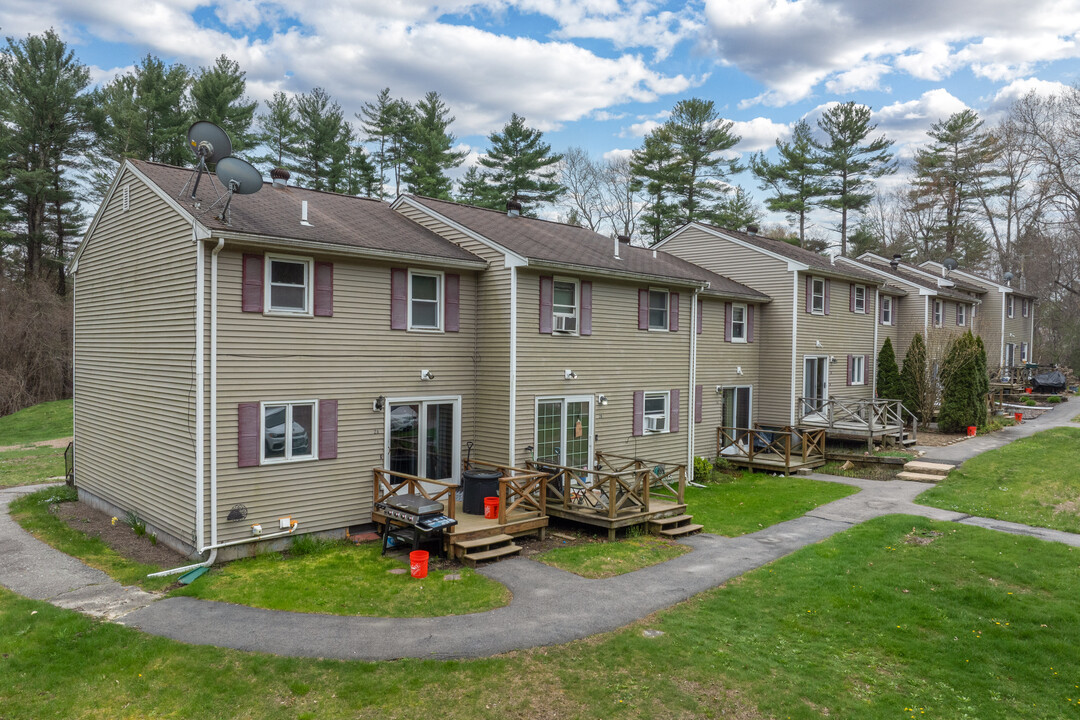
(45, 421)
(30, 465)
(1035, 481)
(605, 559)
(752, 501)
(882, 622)
(351, 580)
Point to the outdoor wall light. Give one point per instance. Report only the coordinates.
(719, 389)
(427, 375)
(832, 358)
(817, 343)
(601, 400)
(738, 369)
(379, 404)
(569, 374)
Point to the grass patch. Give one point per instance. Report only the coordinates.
(1035, 481)
(896, 618)
(31, 465)
(606, 559)
(752, 501)
(44, 421)
(33, 513)
(868, 471)
(340, 578)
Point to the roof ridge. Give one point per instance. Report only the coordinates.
(500, 212)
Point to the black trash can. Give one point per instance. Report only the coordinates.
(477, 485)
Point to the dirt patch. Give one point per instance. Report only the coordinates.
(119, 537)
(939, 439)
(729, 703)
(54, 443)
(921, 537)
(1070, 507)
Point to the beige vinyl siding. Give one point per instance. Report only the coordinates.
(910, 319)
(1018, 327)
(352, 357)
(134, 372)
(939, 338)
(840, 333)
(716, 366)
(616, 360)
(491, 428)
(891, 331)
(772, 326)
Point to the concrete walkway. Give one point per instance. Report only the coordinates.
(544, 598)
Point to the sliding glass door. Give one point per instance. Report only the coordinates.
(564, 431)
(423, 437)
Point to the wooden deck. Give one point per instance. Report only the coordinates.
(786, 449)
(869, 420)
(599, 518)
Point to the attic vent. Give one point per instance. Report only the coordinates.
(126, 197)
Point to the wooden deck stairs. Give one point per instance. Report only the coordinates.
(923, 471)
(674, 526)
(477, 550)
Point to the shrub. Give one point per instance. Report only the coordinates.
(702, 470)
(888, 383)
(963, 400)
(1030, 402)
(1053, 399)
(913, 383)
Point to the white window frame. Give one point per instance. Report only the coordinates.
(288, 404)
(886, 310)
(1010, 354)
(309, 285)
(666, 414)
(858, 369)
(1010, 305)
(814, 295)
(421, 458)
(576, 314)
(744, 324)
(565, 400)
(961, 314)
(440, 294)
(939, 313)
(667, 310)
(1023, 352)
(860, 302)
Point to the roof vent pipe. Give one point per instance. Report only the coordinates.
(624, 239)
(303, 214)
(752, 229)
(280, 177)
(895, 261)
(616, 248)
(513, 207)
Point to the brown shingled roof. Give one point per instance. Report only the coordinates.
(916, 279)
(546, 242)
(274, 212)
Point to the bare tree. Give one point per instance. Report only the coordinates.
(583, 198)
(623, 196)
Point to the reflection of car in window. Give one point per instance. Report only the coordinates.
(402, 418)
(275, 434)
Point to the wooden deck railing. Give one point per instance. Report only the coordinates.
(389, 483)
(869, 416)
(521, 491)
(786, 444)
(666, 480)
(602, 491)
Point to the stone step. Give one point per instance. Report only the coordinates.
(928, 468)
(471, 559)
(919, 477)
(672, 520)
(681, 530)
(481, 542)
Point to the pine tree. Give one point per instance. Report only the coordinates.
(700, 138)
(962, 403)
(276, 133)
(320, 134)
(913, 380)
(473, 189)
(656, 168)
(386, 122)
(888, 373)
(795, 179)
(521, 166)
(429, 149)
(849, 162)
(736, 209)
(217, 96)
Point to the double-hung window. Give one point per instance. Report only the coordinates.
(288, 285)
(1009, 305)
(961, 314)
(658, 309)
(425, 300)
(1023, 352)
(738, 323)
(939, 313)
(859, 299)
(886, 310)
(858, 369)
(564, 306)
(289, 431)
(656, 412)
(817, 296)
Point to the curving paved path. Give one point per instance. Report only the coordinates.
(544, 598)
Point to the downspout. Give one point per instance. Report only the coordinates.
(200, 398)
(794, 338)
(926, 318)
(877, 322)
(1031, 333)
(513, 362)
(213, 393)
(692, 395)
(1001, 345)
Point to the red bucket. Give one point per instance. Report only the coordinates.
(418, 563)
(1019, 416)
(491, 508)
(1027, 390)
(972, 430)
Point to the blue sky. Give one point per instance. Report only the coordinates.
(600, 73)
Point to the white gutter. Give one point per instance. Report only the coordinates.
(213, 388)
(926, 318)
(794, 338)
(877, 321)
(692, 405)
(513, 360)
(200, 400)
(1001, 348)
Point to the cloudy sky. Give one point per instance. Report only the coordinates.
(601, 73)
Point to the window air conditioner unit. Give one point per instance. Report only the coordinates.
(565, 323)
(655, 423)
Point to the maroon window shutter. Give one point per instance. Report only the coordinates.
(324, 289)
(869, 302)
(327, 429)
(700, 315)
(851, 297)
(547, 293)
(868, 375)
(673, 320)
(809, 294)
(642, 309)
(749, 323)
(727, 322)
(674, 411)
(399, 307)
(247, 437)
(698, 395)
(453, 302)
(252, 295)
(881, 311)
(827, 283)
(639, 413)
(850, 362)
(586, 307)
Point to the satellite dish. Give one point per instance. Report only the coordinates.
(950, 264)
(239, 178)
(1008, 278)
(210, 144)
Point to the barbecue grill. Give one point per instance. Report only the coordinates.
(412, 520)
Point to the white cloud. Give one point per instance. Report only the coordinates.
(760, 133)
(640, 129)
(618, 154)
(907, 122)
